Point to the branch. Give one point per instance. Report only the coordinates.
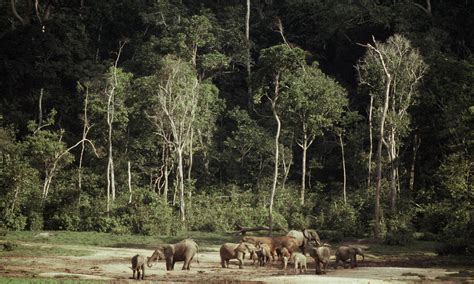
(13, 5)
(240, 230)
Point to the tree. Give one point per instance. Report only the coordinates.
(314, 103)
(393, 69)
(175, 92)
(276, 63)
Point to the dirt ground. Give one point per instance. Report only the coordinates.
(113, 265)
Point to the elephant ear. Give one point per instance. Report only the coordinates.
(305, 234)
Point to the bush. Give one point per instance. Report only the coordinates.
(458, 246)
(399, 230)
(342, 218)
(331, 236)
(35, 222)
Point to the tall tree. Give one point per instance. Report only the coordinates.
(276, 63)
(314, 102)
(175, 91)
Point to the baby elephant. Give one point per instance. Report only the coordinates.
(235, 251)
(299, 260)
(138, 265)
(345, 253)
(285, 255)
(321, 256)
(263, 253)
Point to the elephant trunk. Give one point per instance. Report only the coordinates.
(363, 257)
(149, 262)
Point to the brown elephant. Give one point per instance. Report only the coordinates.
(230, 251)
(185, 251)
(273, 243)
(263, 253)
(321, 256)
(345, 253)
(304, 237)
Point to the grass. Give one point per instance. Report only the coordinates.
(40, 251)
(110, 240)
(421, 248)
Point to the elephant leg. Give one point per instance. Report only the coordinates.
(133, 274)
(318, 266)
(240, 263)
(227, 263)
(223, 263)
(143, 272)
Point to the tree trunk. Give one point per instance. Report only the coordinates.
(277, 151)
(416, 145)
(129, 182)
(190, 156)
(379, 157)
(303, 169)
(181, 184)
(343, 169)
(249, 59)
(85, 129)
(369, 174)
(393, 172)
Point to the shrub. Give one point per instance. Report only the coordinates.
(341, 217)
(399, 230)
(458, 246)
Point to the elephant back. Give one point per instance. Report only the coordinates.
(298, 235)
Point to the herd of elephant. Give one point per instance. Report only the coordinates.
(292, 247)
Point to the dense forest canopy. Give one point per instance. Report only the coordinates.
(155, 116)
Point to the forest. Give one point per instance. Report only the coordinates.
(155, 117)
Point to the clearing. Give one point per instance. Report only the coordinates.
(51, 260)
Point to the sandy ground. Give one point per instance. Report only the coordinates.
(113, 265)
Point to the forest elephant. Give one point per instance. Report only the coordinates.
(185, 251)
(305, 236)
(273, 243)
(263, 253)
(299, 260)
(321, 256)
(345, 253)
(138, 265)
(230, 251)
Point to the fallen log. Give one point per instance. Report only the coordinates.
(241, 230)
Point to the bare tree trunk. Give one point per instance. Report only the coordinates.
(277, 151)
(40, 108)
(165, 189)
(343, 168)
(181, 183)
(129, 182)
(378, 189)
(369, 174)
(416, 145)
(303, 169)
(85, 130)
(249, 59)
(190, 156)
(393, 171)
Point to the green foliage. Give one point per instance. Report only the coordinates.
(399, 230)
(340, 217)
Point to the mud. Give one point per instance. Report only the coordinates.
(113, 265)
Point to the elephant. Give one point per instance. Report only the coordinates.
(235, 251)
(185, 251)
(138, 265)
(263, 253)
(305, 236)
(321, 256)
(345, 253)
(274, 243)
(299, 260)
(285, 256)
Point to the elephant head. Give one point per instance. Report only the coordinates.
(312, 236)
(358, 251)
(157, 255)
